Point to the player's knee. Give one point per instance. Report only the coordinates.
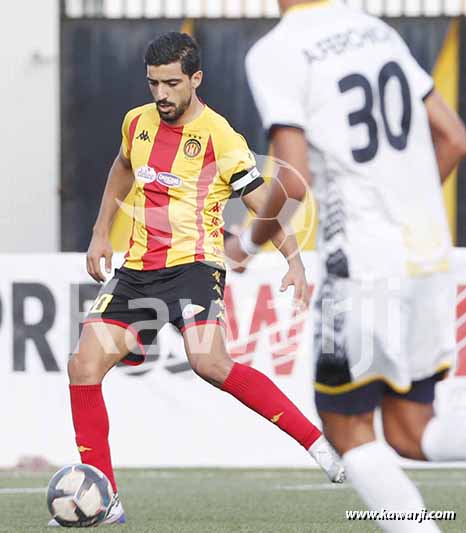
(214, 371)
(84, 371)
(405, 444)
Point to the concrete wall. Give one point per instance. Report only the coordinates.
(29, 136)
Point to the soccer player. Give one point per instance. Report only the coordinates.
(186, 161)
(348, 107)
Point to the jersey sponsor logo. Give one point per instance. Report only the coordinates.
(146, 174)
(192, 148)
(169, 180)
(192, 310)
(144, 136)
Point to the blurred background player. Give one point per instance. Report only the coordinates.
(187, 160)
(349, 108)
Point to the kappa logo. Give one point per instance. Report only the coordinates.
(146, 174)
(192, 310)
(144, 136)
(169, 180)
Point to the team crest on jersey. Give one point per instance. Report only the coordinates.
(146, 174)
(192, 148)
(169, 180)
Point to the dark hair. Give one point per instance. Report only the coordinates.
(172, 47)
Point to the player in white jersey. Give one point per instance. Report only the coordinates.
(348, 107)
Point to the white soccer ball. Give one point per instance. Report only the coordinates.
(79, 496)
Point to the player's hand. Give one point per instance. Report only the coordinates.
(296, 276)
(237, 259)
(99, 248)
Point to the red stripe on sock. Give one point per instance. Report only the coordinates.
(91, 425)
(259, 393)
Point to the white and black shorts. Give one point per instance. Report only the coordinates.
(390, 336)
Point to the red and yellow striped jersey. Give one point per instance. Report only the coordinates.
(184, 176)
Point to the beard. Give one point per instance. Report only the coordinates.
(173, 113)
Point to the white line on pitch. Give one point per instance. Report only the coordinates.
(312, 486)
(24, 491)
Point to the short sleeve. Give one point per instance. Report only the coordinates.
(421, 82)
(234, 158)
(277, 77)
(125, 138)
(128, 129)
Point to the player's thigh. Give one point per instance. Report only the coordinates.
(403, 424)
(345, 431)
(405, 416)
(207, 353)
(100, 347)
(111, 333)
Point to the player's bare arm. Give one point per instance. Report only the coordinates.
(448, 134)
(287, 245)
(289, 145)
(119, 183)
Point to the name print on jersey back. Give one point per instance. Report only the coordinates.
(345, 41)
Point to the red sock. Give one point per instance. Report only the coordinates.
(91, 426)
(260, 394)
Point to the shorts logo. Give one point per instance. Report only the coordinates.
(169, 180)
(146, 174)
(192, 310)
(192, 148)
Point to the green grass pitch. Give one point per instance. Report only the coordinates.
(218, 500)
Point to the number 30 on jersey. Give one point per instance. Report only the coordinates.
(365, 115)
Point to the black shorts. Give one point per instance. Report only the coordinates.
(144, 301)
(366, 398)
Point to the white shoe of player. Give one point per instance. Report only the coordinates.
(115, 515)
(326, 457)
